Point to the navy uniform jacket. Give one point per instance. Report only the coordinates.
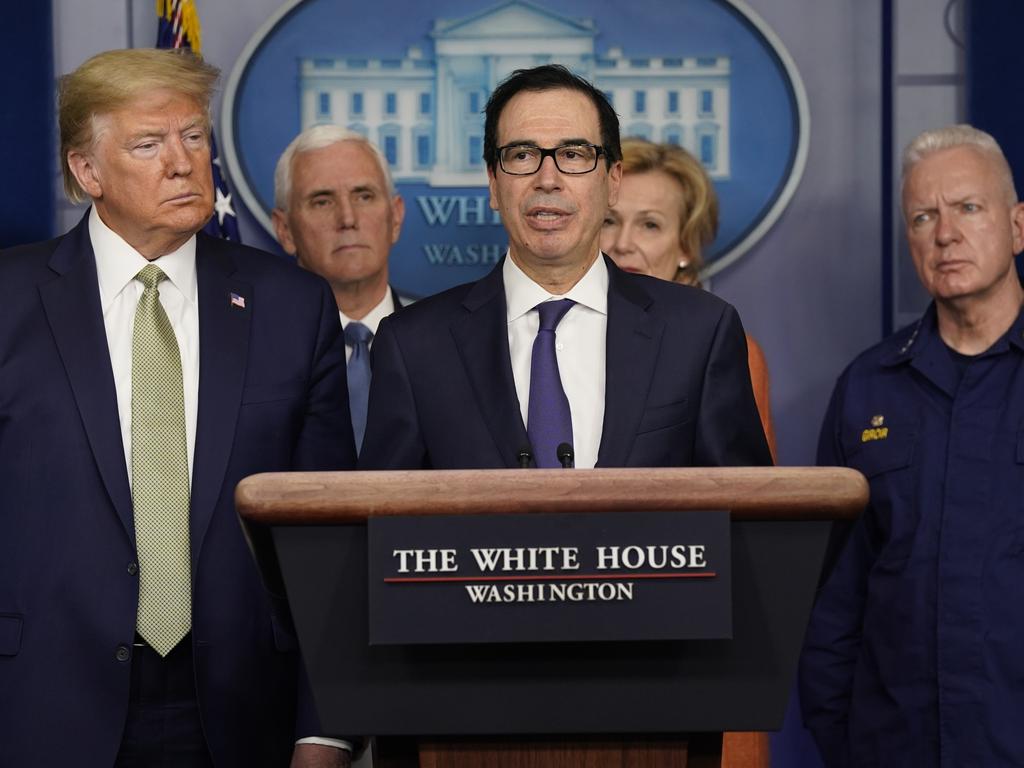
(915, 650)
(272, 396)
(677, 385)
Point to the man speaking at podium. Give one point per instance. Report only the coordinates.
(557, 357)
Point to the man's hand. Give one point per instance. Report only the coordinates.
(319, 756)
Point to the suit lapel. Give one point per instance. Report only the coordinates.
(72, 306)
(482, 340)
(223, 353)
(633, 341)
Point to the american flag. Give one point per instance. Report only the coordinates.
(178, 27)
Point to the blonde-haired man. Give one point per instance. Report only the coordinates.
(145, 370)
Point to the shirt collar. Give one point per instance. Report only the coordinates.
(117, 263)
(522, 294)
(384, 307)
(1015, 336)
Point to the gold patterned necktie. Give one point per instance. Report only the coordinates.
(160, 482)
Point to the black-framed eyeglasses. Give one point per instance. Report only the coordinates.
(526, 159)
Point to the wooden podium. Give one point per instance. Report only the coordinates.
(547, 705)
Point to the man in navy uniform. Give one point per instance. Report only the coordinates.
(914, 654)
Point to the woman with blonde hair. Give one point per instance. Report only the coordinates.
(667, 212)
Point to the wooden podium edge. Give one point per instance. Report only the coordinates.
(750, 493)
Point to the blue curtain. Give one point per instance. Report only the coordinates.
(995, 100)
(994, 103)
(27, 123)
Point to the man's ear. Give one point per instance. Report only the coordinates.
(492, 186)
(283, 231)
(1017, 223)
(397, 217)
(83, 168)
(614, 179)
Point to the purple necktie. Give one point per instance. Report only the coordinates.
(549, 419)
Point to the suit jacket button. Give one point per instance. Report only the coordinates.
(133, 568)
(123, 653)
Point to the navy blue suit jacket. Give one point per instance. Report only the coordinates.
(272, 396)
(677, 387)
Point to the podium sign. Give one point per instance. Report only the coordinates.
(549, 578)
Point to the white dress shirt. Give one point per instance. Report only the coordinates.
(372, 319)
(581, 339)
(117, 263)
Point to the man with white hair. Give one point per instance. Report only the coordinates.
(336, 211)
(914, 655)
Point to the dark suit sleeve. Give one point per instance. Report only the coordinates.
(393, 438)
(833, 639)
(729, 432)
(326, 441)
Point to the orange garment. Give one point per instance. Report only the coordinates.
(751, 749)
(759, 380)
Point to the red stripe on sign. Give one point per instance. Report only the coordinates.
(548, 577)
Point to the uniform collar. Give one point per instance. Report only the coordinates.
(921, 347)
(914, 340)
(909, 342)
(1014, 337)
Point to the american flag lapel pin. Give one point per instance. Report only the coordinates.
(237, 300)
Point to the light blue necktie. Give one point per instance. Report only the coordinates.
(358, 337)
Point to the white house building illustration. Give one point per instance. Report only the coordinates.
(427, 114)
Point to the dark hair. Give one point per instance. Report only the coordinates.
(547, 78)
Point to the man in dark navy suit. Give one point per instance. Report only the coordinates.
(337, 212)
(144, 370)
(557, 357)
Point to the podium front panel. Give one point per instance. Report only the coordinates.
(549, 688)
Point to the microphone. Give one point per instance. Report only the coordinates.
(525, 458)
(566, 456)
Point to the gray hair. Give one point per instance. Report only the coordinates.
(960, 135)
(319, 137)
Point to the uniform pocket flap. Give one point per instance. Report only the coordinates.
(10, 634)
(879, 450)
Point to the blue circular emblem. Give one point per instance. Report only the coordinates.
(414, 78)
